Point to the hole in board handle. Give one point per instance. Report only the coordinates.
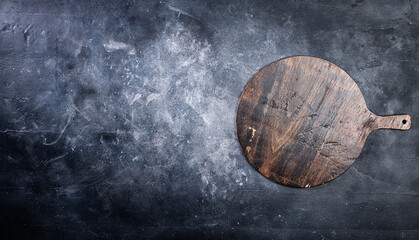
(404, 121)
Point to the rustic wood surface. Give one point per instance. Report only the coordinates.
(302, 121)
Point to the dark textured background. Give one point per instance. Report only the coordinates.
(117, 119)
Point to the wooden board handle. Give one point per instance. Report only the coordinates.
(401, 122)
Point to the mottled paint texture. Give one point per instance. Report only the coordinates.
(117, 119)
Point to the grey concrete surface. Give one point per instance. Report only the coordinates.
(117, 119)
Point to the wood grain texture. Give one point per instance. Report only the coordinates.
(302, 121)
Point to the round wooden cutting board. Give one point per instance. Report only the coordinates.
(302, 121)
